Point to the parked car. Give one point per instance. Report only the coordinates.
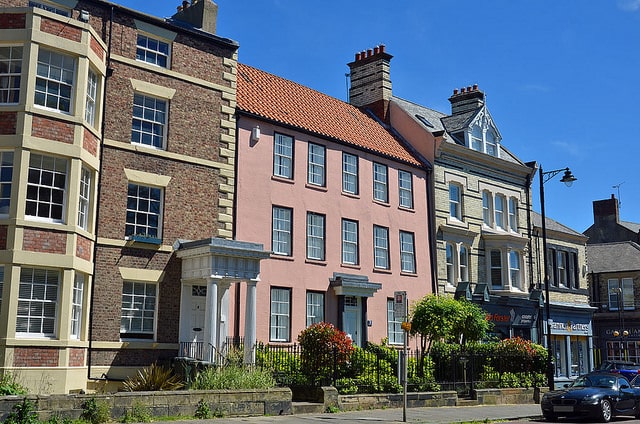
(598, 394)
(627, 368)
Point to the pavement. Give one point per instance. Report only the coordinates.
(430, 415)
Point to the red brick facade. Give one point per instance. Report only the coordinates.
(12, 20)
(60, 30)
(52, 129)
(3, 237)
(8, 122)
(90, 142)
(76, 357)
(84, 248)
(35, 357)
(45, 241)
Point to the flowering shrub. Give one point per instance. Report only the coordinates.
(323, 347)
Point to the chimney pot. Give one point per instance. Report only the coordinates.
(469, 88)
(376, 49)
(463, 90)
(185, 4)
(455, 91)
(369, 52)
(475, 87)
(357, 57)
(381, 48)
(179, 9)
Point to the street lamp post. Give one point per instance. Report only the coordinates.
(568, 179)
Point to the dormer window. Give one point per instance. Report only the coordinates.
(482, 136)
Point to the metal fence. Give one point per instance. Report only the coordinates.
(379, 370)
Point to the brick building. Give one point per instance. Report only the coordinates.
(104, 242)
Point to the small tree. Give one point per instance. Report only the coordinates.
(323, 347)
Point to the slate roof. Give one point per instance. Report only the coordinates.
(285, 102)
(449, 123)
(552, 225)
(632, 226)
(613, 257)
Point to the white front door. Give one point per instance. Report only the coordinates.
(197, 320)
(351, 318)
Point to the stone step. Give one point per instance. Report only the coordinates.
(307, 408)
(466, 402)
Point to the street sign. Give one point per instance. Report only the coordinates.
(400, 305)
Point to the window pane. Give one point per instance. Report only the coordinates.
(283, 156)
(281, 231)
(149, 121)
(405, 189)
(153, 51)
(46, 187)
(316, 165)
(143, 214)
(349, 242)
(380, 183)
(349, 173)
(54, 80)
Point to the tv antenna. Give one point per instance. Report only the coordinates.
(617, 187)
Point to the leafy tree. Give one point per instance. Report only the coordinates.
(445, 319)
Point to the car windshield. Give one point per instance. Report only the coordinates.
(604, 381)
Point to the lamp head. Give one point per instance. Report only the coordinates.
(568, 178)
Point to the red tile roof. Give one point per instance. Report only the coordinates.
(286, 102)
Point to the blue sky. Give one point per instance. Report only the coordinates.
(560, 77)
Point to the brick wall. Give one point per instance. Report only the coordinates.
(3, 237)
(83, 248)
(8, 122)
(12, 20)
(60, 30)
(90, 142)
(35, 357)
(44, 241)
(76, 357)
(52, 129)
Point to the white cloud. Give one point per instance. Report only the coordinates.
(629, 5)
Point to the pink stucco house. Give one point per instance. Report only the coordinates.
(339, 200)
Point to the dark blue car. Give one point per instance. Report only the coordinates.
(599, 395)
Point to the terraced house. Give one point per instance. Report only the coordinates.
(485, 239)
(116, 215)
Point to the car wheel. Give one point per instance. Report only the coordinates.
(605, 411)
(549, 416)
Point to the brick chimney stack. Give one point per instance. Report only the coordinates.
(606, 211)
(370, 82)
(201, 14)
(466, 99)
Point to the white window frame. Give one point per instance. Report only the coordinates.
(405, 189)
(513, 214)
(407, 252)
(283, 156)
(149, 121)
(381, 247)
(515, 266)
(464, 258)
(280, 313)
(316, 236)
(144, 211)
(487, 208)
(315, 307)
(449, 259)
(91, 97)
(6, 181)
(316, 167)
(455, 201)
(55, 80)
(395, 333)
(11, 77)
(350, 173)
(139, 310)
(37, 312)
(350, 253)
(149, 49)
(47, 188)
(380, 182)
(493, 268)
(77, 301)
(500, 211)
(281, 231)
(84, 198)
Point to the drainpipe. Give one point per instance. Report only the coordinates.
(98, 194)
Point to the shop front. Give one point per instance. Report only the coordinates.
(571, 341)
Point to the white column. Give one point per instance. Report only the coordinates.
(250, 324)
(211, 320)
(223, 308)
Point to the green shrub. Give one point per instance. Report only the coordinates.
(9, 386)
(203, 410)
(153, 378)
(96, 411)
(323, 348)
(23, 413)
(234, 378)
(138, 414)
(346, 386)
